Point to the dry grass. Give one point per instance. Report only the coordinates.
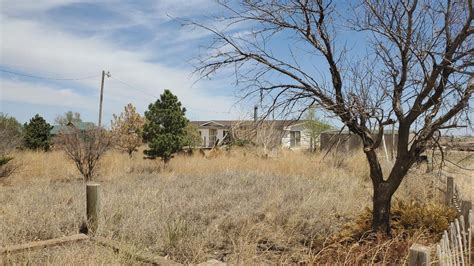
(86, 253)
(236, 207)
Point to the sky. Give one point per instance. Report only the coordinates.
(52, 54)
(141, 43)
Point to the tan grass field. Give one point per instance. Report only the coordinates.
(235, 207)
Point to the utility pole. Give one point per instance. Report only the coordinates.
(102, 94)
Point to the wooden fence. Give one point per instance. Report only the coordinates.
(455, 246)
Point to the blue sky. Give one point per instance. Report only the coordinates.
(143, 46)
(139, 42)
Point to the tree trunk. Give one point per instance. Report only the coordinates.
(384, 190)
(381, 208)
(382, 195)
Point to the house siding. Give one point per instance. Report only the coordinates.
(205, 136)
(305, 140)
(278, 131)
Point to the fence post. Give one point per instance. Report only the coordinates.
(449, 191)
(465, 207)
(419, 255)
(92, 197)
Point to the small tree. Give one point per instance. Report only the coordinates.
(37, 134)
(68, 117)
(268, 135)
(164, 128)
(10, 133)
(10, 138)
(84, 148)
(192, 137)
(127, 130)
(314, 126)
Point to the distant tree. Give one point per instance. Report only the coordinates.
(10, 138)
(37, 134)
(192, 137)
(127, 129)
(314, 126)
(10, 133)
(84, 148)
(165, 125)
(67, 117)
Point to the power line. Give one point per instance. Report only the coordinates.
(48, 78)
(150, 94)
(133, 87)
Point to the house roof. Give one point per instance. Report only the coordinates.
(229, 123)
(79, 125)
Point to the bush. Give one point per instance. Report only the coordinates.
(84, 148)
(410, 217)
(6, 166)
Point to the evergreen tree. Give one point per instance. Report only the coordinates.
(164, 129)
(37, 134)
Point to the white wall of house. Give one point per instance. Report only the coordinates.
(204, 132)
(305, 137)
(204, 136)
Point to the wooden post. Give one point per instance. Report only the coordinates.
(449, 191)
(92, 195)
(419, 255)
(465, 207)
(393, 142)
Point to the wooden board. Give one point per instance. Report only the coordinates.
(41, 244)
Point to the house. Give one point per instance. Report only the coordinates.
(267, 133)
(71, 125)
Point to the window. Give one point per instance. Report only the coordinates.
(295, 138)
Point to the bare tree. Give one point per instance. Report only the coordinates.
(84, 148)
(414, 75)
(266, 134)
(68, 117)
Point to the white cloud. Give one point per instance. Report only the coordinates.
(27, 6)
(44, 49)
(33, 93)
